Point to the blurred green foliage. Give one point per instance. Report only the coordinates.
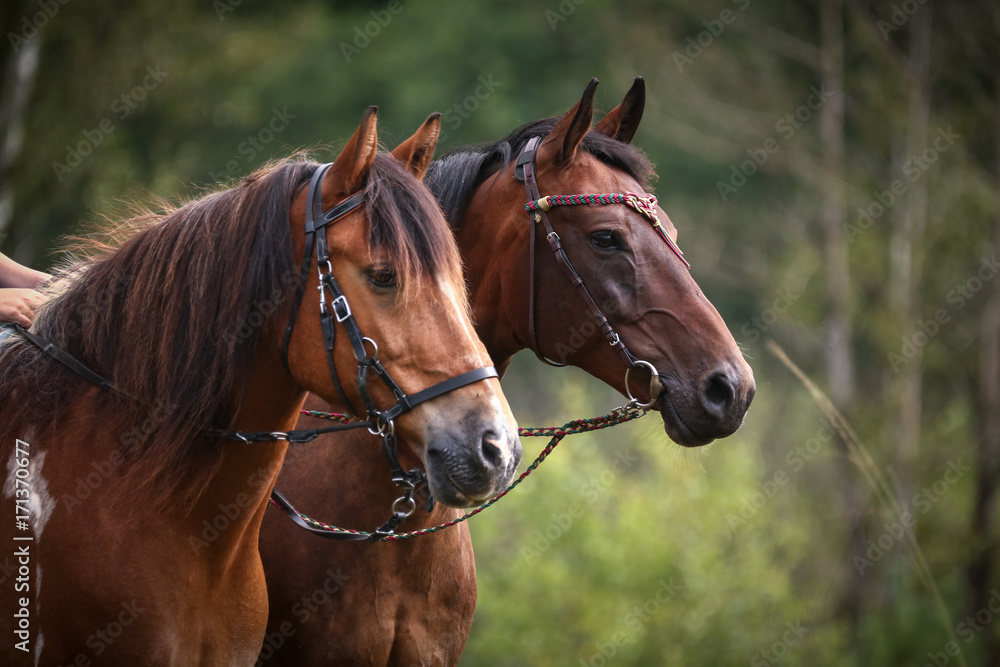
(623, 548)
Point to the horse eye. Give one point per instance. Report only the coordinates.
(604, 239)
(382, 276)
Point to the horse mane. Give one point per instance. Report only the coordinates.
(455, 176)
(164, 307)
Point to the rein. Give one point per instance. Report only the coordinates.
(617, 416)
(536, 208)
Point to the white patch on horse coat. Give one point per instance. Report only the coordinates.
(40, 641)
(41, 504)
(40, 501)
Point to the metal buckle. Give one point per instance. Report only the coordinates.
(341, 309)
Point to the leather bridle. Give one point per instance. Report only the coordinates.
(525, 169)
(336, 311)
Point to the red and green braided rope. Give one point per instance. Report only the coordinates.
(644, 204)
(556, 433)
(573, 200)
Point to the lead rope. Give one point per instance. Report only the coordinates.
(617, 416)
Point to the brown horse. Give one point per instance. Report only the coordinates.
(133, 509)
(412, 602)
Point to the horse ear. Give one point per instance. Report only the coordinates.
(349, 169)
(622, 121)
(417, 152)
(562, 142)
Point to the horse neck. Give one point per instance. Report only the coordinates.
(493, 249)
(242, 484)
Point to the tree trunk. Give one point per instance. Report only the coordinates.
(839, 354)
(980, 571)
(839, 357)
(907, 252)
(19, 70)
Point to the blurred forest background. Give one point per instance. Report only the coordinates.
(833, 168)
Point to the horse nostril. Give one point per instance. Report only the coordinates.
(493, 453)
(719, 394)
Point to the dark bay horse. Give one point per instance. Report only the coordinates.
(412, 602)
(133, 509)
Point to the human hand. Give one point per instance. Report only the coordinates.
(18, 305)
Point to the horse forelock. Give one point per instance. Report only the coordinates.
(406, 223)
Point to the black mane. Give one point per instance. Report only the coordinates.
(455, 177)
